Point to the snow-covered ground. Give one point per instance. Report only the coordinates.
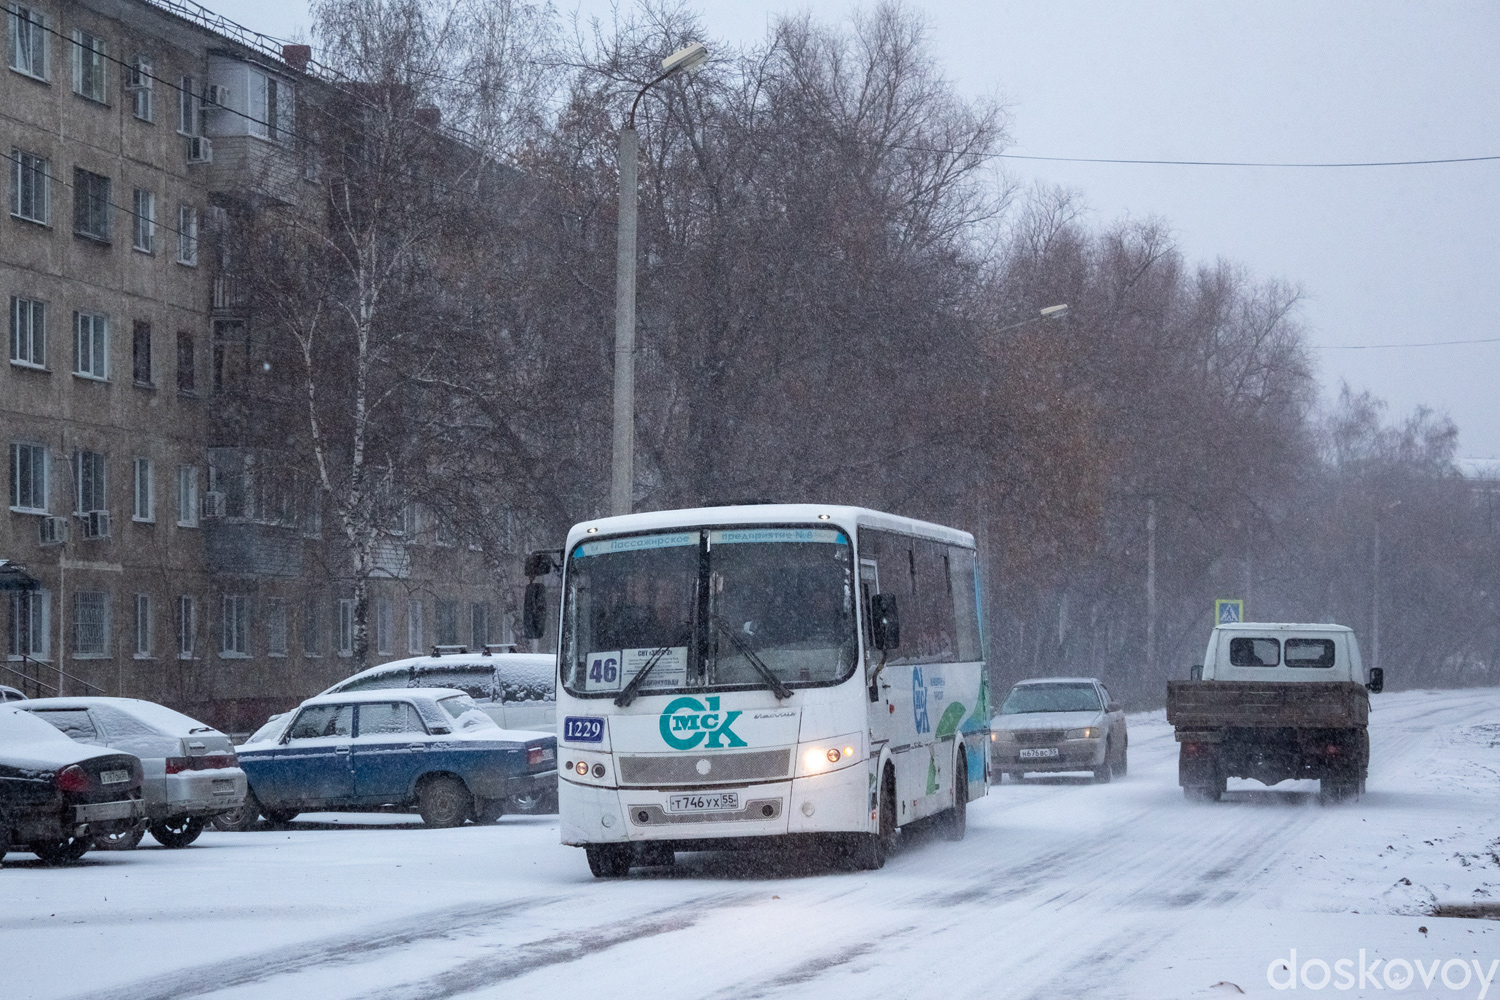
(1062, 889)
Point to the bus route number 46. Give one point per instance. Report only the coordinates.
(583, 729)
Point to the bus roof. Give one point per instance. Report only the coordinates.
(848, 518)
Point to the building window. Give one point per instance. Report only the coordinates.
(140, 353)
(234, 639)
(28, 332)
(143, 231)
(187, 235)
(28, 478)
(30, 187)
(91, 345)
(384, 632)
(187, 382)
(271, 104)
(187, 496)
(479, 621)
(312, 644)
(28, 41)
(187, 627)
(142, 626)
(414, 627)
(140, 87)
(30, 624)
(443, 533)
(276, 626)
(91, 623)
(187, 106)
(89, 481)
(90, 205)
(346, 627)
(90, 72)
(447, 622)
(145, 490)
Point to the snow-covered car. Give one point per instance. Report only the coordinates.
(191, 774)
(517, 690)
(56, 795)
(1059, 724)
(8, 693)
(428, 748)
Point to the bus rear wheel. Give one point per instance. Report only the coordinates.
(609, 860)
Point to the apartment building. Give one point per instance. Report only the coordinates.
(173, 563)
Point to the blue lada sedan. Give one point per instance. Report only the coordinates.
(431, 748)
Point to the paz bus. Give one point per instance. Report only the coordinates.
(727, 675)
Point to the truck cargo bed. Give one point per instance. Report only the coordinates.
(1267, 704)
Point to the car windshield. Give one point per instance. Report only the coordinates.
(1027, 698)
(701, 607)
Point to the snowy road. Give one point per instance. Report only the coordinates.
(1062, 889)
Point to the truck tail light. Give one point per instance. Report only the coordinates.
(1195, 749)
(74, 779)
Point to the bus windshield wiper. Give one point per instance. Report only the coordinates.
(626, 696)
(775, 683)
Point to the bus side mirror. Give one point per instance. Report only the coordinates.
(534, 611)
(1195, 672)
(885, 624)
(1377, 680)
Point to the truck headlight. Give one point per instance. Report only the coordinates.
(1086, 733)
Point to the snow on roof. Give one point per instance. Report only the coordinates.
(381, 694)
(1298, 626)
(848, 518)
(167, 721)
(530, 669)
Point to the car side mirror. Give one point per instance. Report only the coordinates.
(1377, 680)
(1113, 706)
(1195, 672)
(885, 623)
(534, 611)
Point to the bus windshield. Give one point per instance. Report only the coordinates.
(709, 608)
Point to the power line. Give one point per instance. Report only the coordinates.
(1372, 347)
(1239, 163)
(51, 179)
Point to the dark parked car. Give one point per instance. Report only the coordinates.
(431, 748)
(56, 796)
(191, 773)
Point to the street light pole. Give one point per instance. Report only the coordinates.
(622, 464)
(1044, 314)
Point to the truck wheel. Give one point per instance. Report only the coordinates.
(177, 831)
(956, 818)
(123, 840)
(608, 860)
(443, 801)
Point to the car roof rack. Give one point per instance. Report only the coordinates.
(450, 650)
(491, 648)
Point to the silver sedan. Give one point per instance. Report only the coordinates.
(191, 771)
(1059, 724)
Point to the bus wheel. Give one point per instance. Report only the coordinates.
(868, 850)
(956, 822)
(608, 860)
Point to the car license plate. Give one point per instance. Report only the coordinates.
(714, 802)
(1033, 753)
(113, 777)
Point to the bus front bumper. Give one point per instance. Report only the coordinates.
(833, 802)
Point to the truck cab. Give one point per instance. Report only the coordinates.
(1255, 651)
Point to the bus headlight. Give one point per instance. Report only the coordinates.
(1086, 733)
(829, 755)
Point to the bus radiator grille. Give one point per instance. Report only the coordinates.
(701, 769)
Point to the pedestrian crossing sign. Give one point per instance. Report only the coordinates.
(1227, 612)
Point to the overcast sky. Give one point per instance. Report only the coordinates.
(1388, 255)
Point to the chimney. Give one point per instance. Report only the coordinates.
(297, 56)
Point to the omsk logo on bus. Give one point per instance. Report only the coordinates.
(686, 723)
(919, 701)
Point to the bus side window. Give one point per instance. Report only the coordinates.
(869, 585)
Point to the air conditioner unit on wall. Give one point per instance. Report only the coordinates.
(215, 95)
(199, 149)
(213, 505)
(95, 524)
(54, 530)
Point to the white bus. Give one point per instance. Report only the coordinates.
(795, 671)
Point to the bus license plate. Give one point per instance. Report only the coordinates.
(113, 777)
(1032, 753)
(715, 802)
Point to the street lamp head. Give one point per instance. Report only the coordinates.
(687, 59)
(1054, 312)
